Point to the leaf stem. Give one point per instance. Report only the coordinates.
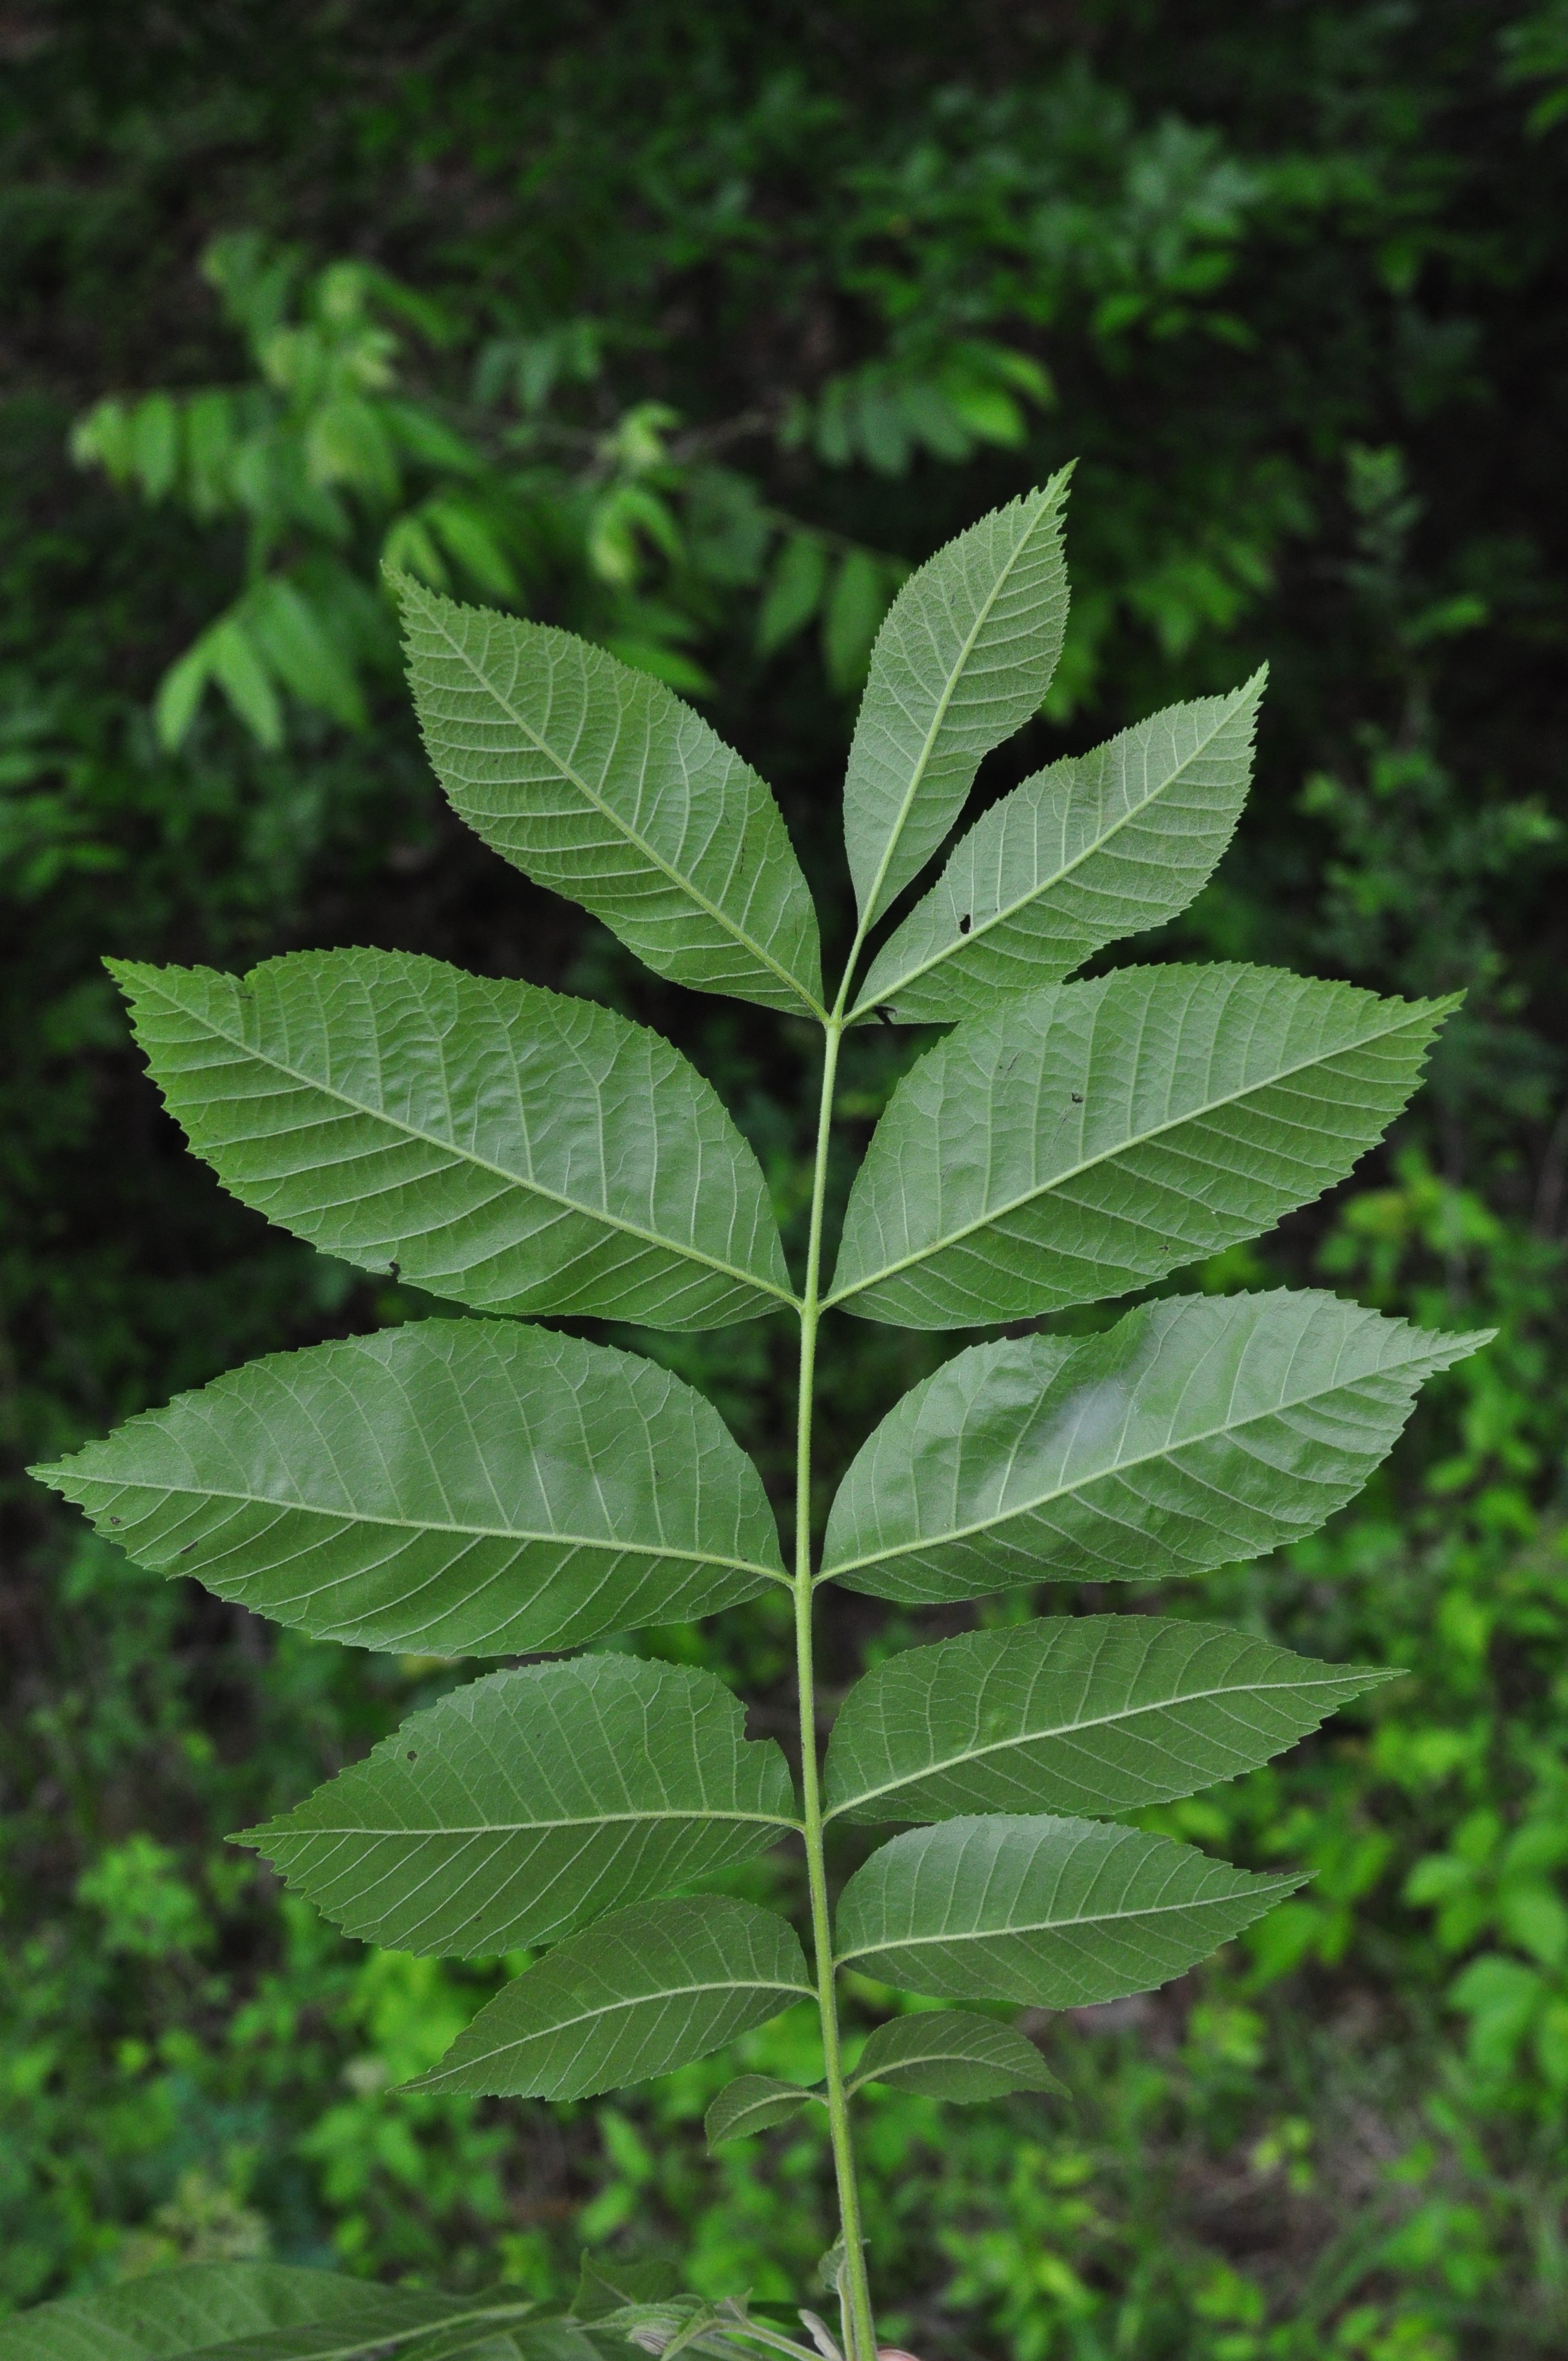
(859, 2305)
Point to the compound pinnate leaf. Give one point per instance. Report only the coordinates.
(243, 2312)
(1197, 1432)
(594, 779)
(456, 1487)
(505, 1146)
(963, 660)
(1093, 1136)
(532, 1802)
(754, 2102)
(638, 1994)
(1099, 846)
(947, 2054)
(1061, 1913)
(1085, 1713)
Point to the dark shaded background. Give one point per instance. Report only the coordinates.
(1296, 275)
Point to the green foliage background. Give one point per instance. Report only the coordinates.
(693, 328)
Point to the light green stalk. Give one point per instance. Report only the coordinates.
(858, 2320)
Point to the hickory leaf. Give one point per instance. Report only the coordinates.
(593, 778)
(645, 1990)
(534, 1801)
(1084, 1713)
(1198, 1431)
(1060, 1913)
(513, 1149)
(454, 1487)
(1092, 1137)
(1098, 846)
(964, 658)
(477, 1487)
(947, 2054)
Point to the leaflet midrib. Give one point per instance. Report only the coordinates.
(998, 1213)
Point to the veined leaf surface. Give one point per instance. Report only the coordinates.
(1093, 1136)
(596, 781)
(1061, 1913)
(962, 661)
(456, 1487)
(1099, 846)
(638, 1994)
(754, 2102)
(532, 1802)
(1197, 1432)
(1083, 1713)
(949, 2054)
(512, 1149)
(243, 2312)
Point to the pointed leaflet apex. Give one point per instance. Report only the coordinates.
(963, 660)
(501, 1145)
(1092, 1137)
(1061, 1913)
(1197, 1432)
(1082, 1713)
(531, 1803)
(1100, 845)
(596, 780)
(453, 1487)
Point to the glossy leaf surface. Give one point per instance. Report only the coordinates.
(1084, 1713)
(947, 2054)
(754, 2102)
(531, 1803)
(503, 1146)
(1061, 1913)
(1198, 1431)
(596, 781)
(456, 1487)
(962, 661)
(642, 1991)
(1099, 846)
(1093, 1136)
